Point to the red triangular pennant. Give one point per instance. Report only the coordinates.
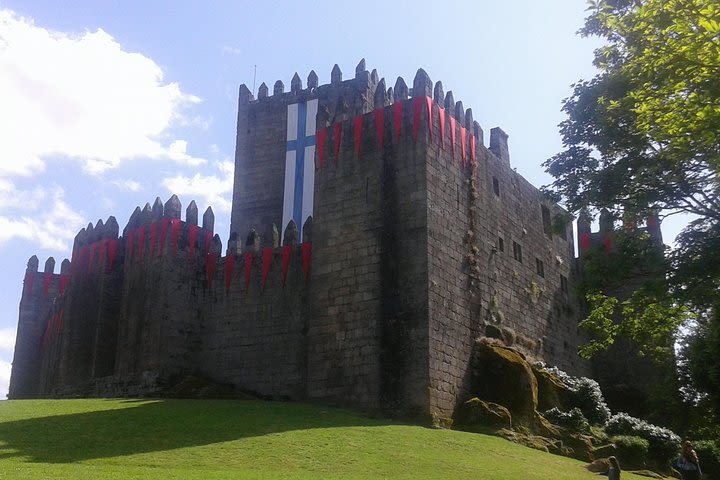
(64, 281)
(472, 149)
(452, 134)
(585, 241)
(357, 125)
(417, 110)
(397, 111)
(248, 269)
(163, 233)
(428, 101)
(208, 239)
(380, 125)
(47, 279)
(463, 142)
(192, 239)
(48, 329)
(101, 255)
(229, 266)
(112, 250)
(93, 249)
(441, 117)
(320, 138)
(175, 233)
(306, 250)
(81, 259)
(266, 260)
(210, 266)
(141, 241)
(286, 250)
(153, 238)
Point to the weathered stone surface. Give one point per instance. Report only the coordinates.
(263, 90)
(501, 375)
(336, 75)
(312, 79)
(552, 393)
(278, 88)
(479, 416)
(385, 319)
(295, 83)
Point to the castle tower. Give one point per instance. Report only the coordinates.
(423, 238)
(35, 306)
(373, 239)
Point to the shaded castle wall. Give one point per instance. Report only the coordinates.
(36, 304)
(90, 307)
(366, 328)
(407, 268)
(254, 336)
(368, 323)
(480, 283)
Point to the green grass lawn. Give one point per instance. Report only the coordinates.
(238, 439)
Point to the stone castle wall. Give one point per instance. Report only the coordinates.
(407, 268)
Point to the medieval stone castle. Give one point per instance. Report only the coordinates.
(374, 238)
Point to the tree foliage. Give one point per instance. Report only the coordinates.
(644, 131)
(643, 135)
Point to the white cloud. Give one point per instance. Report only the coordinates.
(82, 97)
(52, 228)
(214, 189)
(7, 341)
(127, 185)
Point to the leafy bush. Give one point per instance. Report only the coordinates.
(574, 419)
(586, 395)
(709, 456)
(664, 444)
(632, 451)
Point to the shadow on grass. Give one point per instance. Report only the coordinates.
(142, 427)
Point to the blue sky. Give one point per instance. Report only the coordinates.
(105, 105)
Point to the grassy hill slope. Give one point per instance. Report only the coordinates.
(191, 439)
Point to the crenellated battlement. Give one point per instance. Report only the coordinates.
(344, 100)
(373, 237)
(607, 231)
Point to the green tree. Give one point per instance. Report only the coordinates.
(644, 134)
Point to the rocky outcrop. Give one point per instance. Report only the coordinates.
(502, 375)
(478, 416)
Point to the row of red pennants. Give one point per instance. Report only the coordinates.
(53, 328)
(418, 104)
(108, 247)
(267, 255)
(586, 242)
(55, 323)
(47, 280)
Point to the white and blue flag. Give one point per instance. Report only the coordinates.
(299, 164)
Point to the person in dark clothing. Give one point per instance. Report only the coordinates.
(688, 463)
(613, 472)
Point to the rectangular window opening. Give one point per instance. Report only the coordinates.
(563, 284)
(496, 186)
(501, 244)
(540, 267)
(546, 222)
(517, 251)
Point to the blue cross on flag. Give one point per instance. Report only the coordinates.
(299, 164)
